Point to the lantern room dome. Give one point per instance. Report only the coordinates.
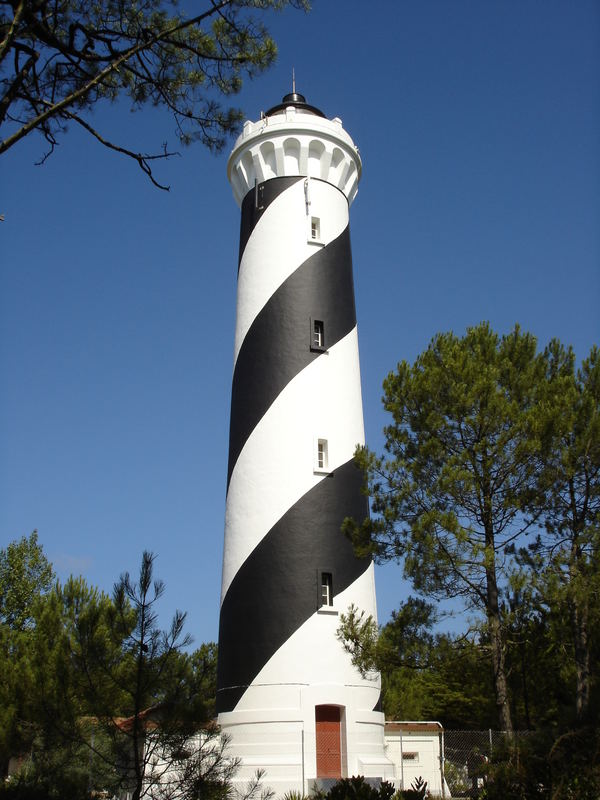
(298, 101)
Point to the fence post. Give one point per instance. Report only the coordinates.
(442, 768)
(302, 746)
(401, 762)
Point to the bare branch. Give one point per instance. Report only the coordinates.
(6, 43)
(141, 158)
(55, 109)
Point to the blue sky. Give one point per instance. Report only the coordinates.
(479, 128)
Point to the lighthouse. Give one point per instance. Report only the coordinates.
(288, 697)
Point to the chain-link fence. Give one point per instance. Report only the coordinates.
(466, 758)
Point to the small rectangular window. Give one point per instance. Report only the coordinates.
(326, 589)
(318, 334)
(322, 455)
(315, 229)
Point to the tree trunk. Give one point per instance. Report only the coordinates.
(496, 637)
(522, 651)
(579, 623)
(499, 670)
(579, 611)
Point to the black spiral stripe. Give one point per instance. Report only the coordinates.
(276, 589)
(256, 203)
(276, 347)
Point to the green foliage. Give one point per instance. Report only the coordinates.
(560, 568)
(405, 641)
(455, 688)
(55, 772)
(473, 421)
(25, 574)
(357, 788)
(574, 760)
(540, 662)
(563, 767)
(25, 579)
(97, 694)
(424, 675)
(462, 455)
(52, 720)
(58, 60)
(492, 442)
(417, 791)
(202, 678)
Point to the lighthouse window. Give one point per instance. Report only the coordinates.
(321, 455)
(326, 589)
(321, 463)
(317, 335)
(318, 338)
(315, 229)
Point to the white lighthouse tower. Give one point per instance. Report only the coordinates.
(288, 696)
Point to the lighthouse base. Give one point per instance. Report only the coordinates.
(320, 740)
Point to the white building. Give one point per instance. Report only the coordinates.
(288, 695)
(416, 750)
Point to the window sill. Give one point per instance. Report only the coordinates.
(317, 242)
(318, 471)
(315, 349)
(328, 610)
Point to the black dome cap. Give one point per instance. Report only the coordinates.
(297, 100)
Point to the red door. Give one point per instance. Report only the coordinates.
(329, 741)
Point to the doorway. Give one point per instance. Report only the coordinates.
(328, 728)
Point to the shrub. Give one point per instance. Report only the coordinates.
(417, 791)
(357, 788)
